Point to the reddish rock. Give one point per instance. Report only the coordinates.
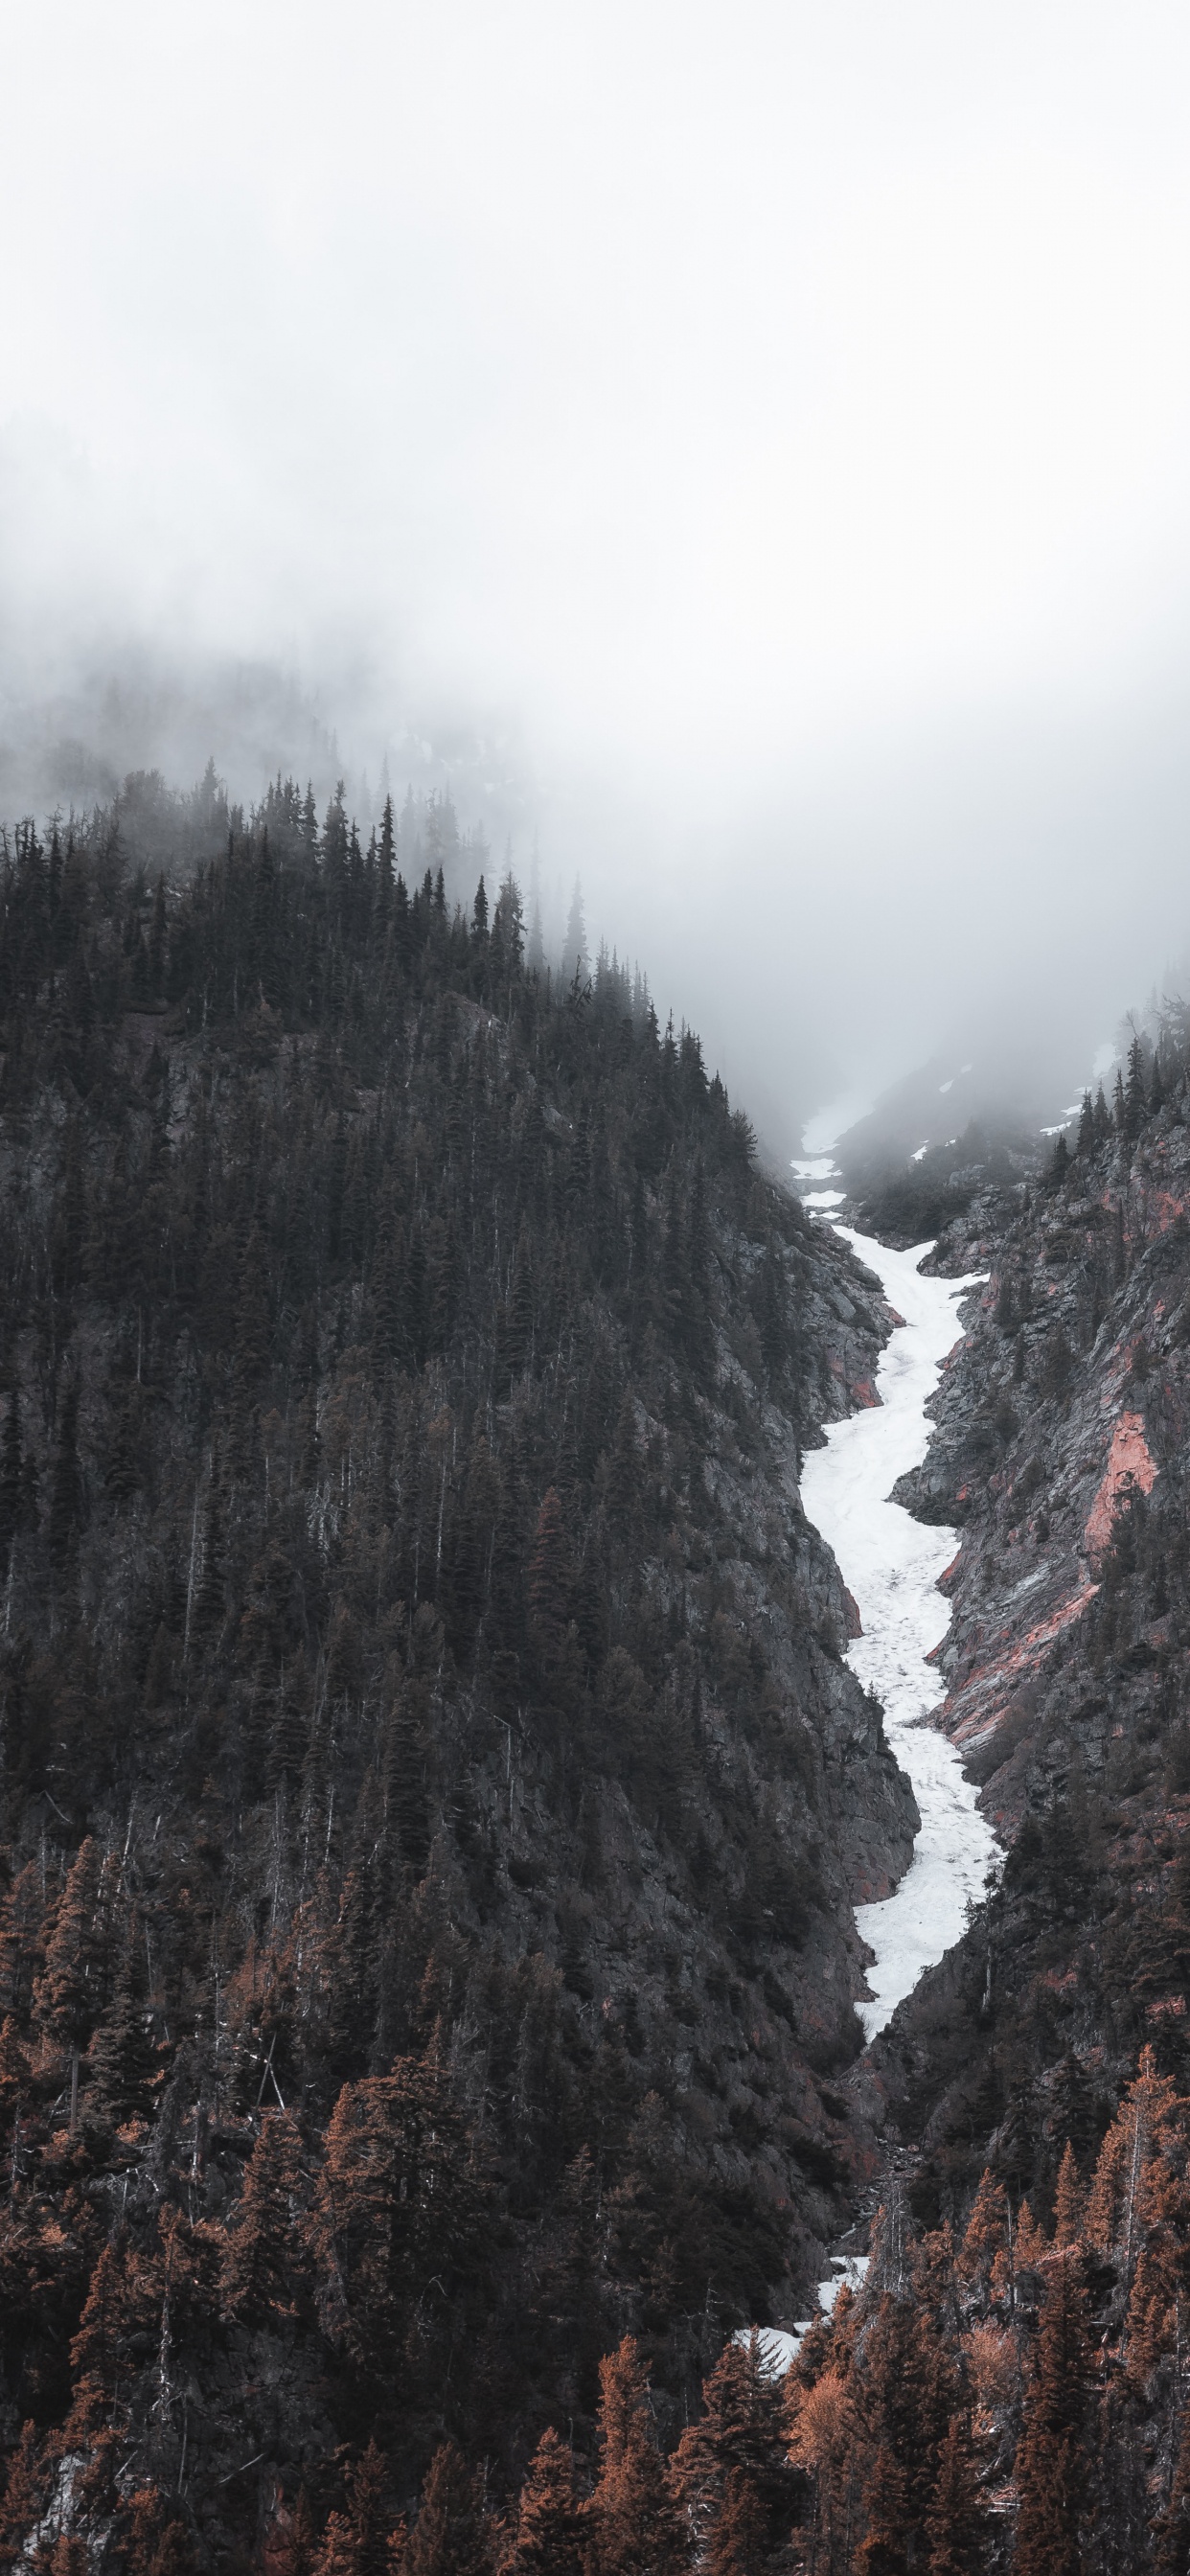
(1130, 1468)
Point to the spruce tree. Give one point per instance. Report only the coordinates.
(884, 2547)
(957, 2524)
(357, 2541)
(636, 2527)
(1068, 2202)
(450, 2536)
(739, 2434)
(1051, 2467)
(72, 1989)
(260, 2251)
(1135, 1095)
(123, 2060)
(985, 2233)
(550, 2535)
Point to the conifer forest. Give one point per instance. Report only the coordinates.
(434, 1801)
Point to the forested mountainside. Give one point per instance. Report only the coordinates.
(432, 1793)
(1035, 2086)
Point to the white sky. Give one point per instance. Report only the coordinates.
(779, 413)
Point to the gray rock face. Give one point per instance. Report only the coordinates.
(1061, 1451)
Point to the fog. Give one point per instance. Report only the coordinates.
(742, 451)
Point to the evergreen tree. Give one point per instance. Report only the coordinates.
(637, 2531)
(956, 2526)
(986, 2232)
(123, 2060)
(450, 2536)
(1068, 2202)
(884, 2548)
(357, 2541)
(72, 1990)
(1135, 1092)
(549, 2529)
(260, 2255)
(740, 2435)
(1051, 2469)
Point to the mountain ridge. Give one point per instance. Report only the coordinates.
(405, 1731)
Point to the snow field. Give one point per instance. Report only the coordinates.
(891, 1565)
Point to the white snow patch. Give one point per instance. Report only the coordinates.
(813, 1167)
(780, 2345)
(848, 2273)
(823, 1198)
(947, 1086)
(922, 1149)
(891, 1565)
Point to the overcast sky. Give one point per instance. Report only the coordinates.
(775, 417)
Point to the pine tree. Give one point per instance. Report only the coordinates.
(1150, 2112)
(72, 1989)
(357, 2541)
(740, 2434)
(637, 2530)
(122, 2300)
(25, 2497)
(550, 2538)
(1067, 2203)
(884, 2548)
(1135, 1092)
(450, 2536)
(1051, 2467)
(259, 2258)
(1032, 2244)
(397, 2205)
(122, 2057)
(22, 1913)
(986, 2232)
(956, 2526)
(910, 2389)
(739, 2543)
(574, 954)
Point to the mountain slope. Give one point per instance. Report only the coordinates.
(423, 1714)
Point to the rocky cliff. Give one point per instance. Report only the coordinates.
(1060, 1452)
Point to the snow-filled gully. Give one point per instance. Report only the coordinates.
(891, 1565)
